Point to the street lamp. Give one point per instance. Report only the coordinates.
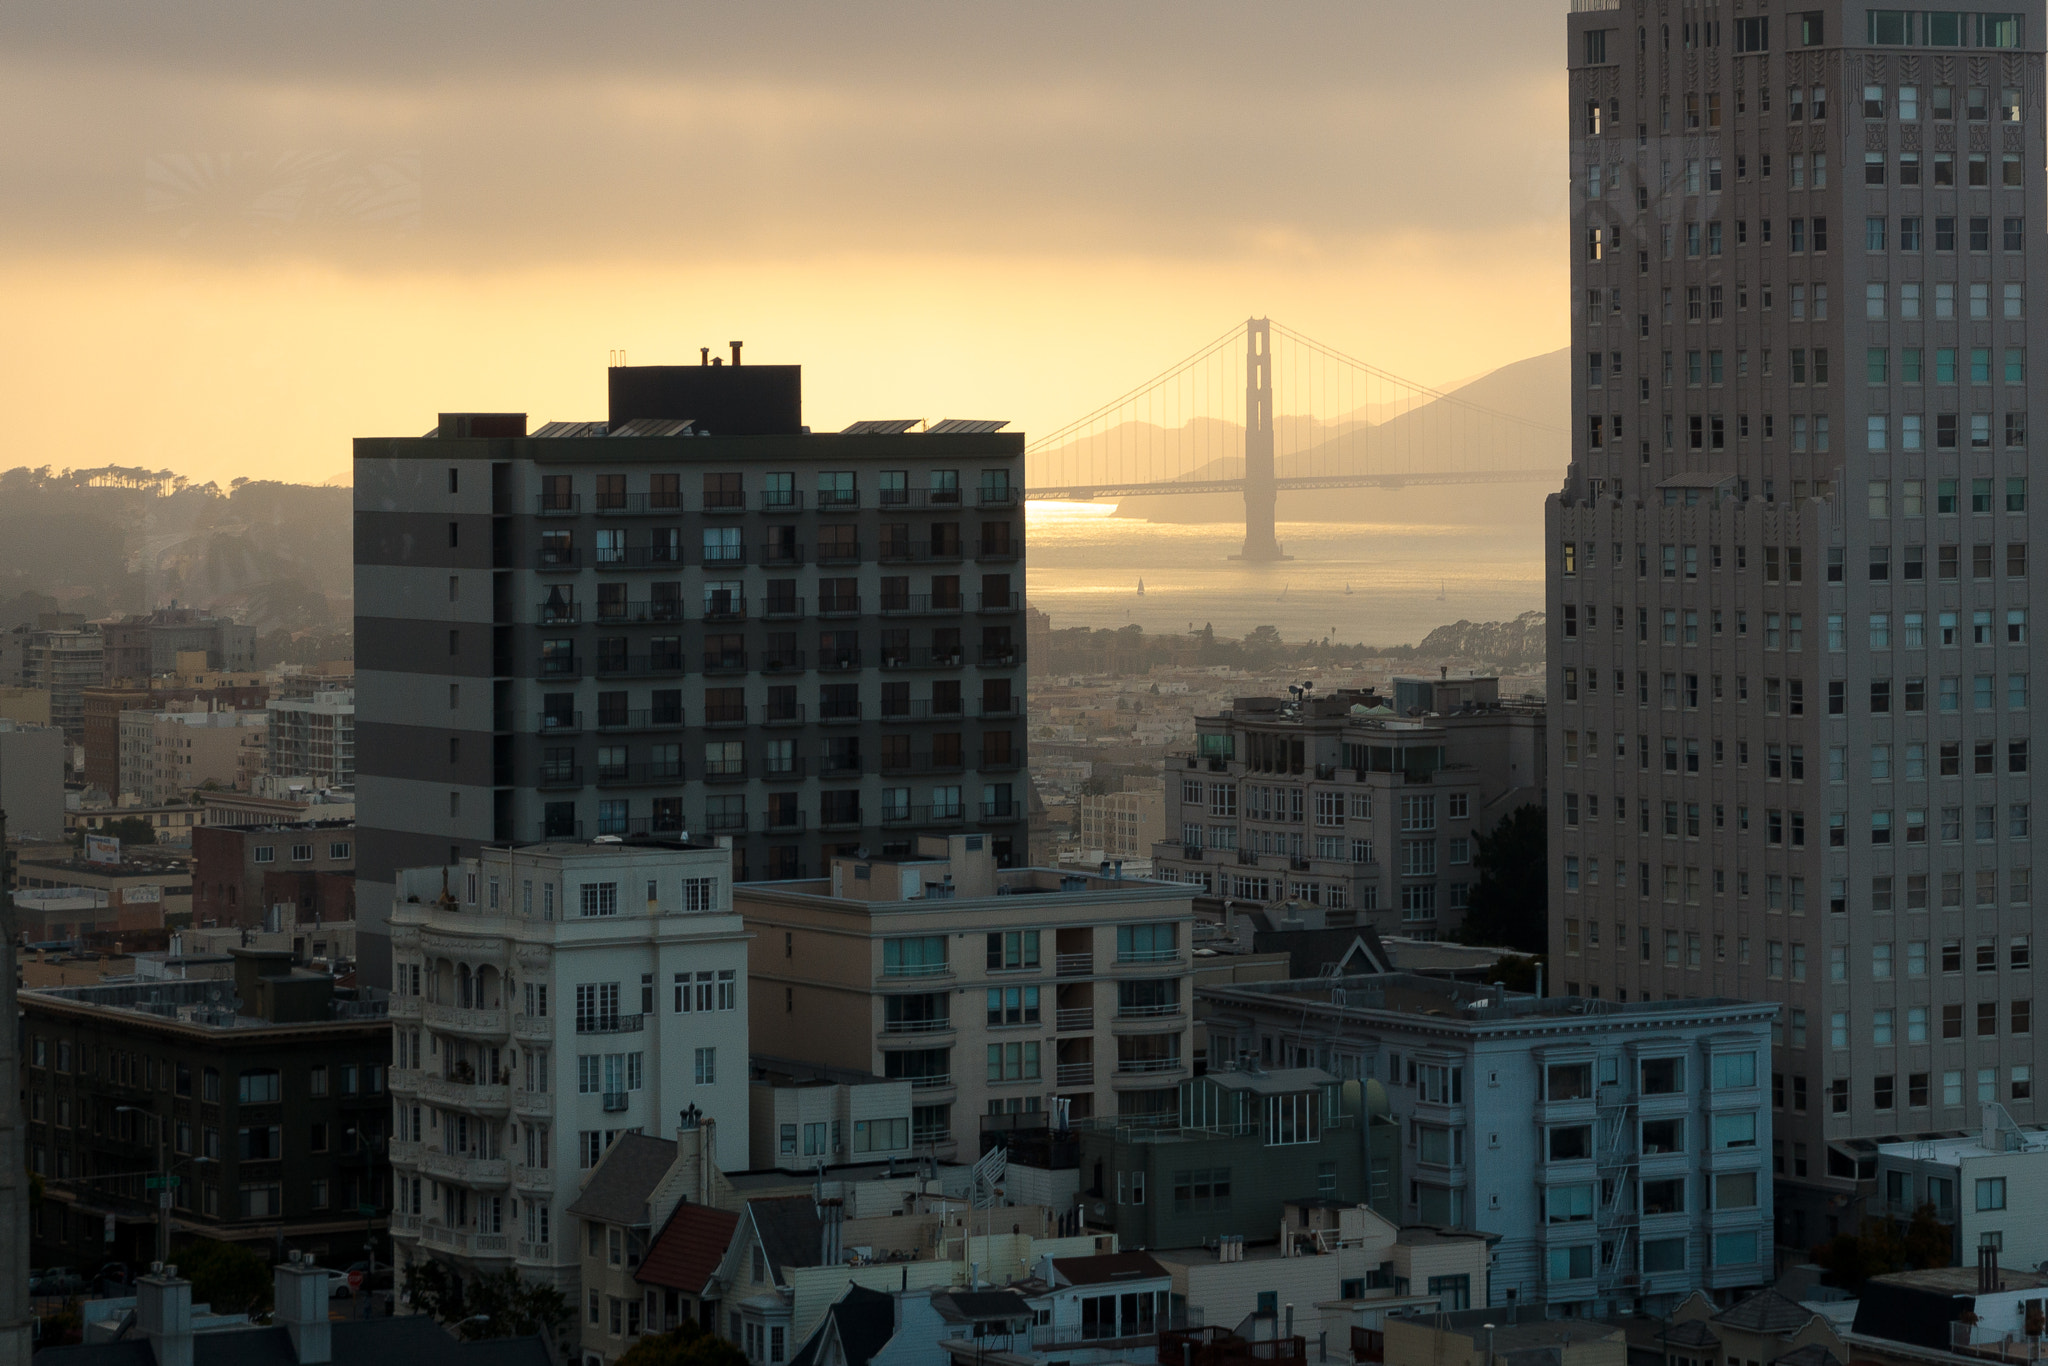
(1489, 1343)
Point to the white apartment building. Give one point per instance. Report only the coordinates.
(314, 738)
(546, 999)
(165, 754)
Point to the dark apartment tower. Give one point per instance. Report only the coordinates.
(1790, 649)
(696, 616)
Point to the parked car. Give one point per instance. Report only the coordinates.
(57, 1280)
(380, 1279)
(337, 1283)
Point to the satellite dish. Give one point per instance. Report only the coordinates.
(861, 852)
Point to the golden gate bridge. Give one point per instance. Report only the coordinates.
(1213, 424)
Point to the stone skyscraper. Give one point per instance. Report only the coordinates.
(1790, 655)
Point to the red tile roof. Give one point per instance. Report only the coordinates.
(688, 1249)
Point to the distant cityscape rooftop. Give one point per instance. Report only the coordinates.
(1400, 993)
(208, 1003)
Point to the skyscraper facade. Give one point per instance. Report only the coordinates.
(1790, 654)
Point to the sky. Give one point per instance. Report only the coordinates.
(235, 234)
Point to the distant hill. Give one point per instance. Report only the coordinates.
(271, 554)
(1430, 434)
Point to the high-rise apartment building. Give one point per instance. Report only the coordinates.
(546, 1000)
(696, 617)
(314, 738)
(1790, 654)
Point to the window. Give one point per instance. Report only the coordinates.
(1990, 1193)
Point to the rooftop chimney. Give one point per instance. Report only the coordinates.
(704, 355)
(163, 1314)
(736, 351)
(300, 1291)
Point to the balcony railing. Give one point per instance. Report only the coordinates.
(619, 613)
(559, 666)
(1073, 964)
(787, 822)
(725, 714)
(782, 661)
(938, 1026)
(994, 496)
(838, 661)
(725, 770)
(991, 603)
(639, 775)
(916, 969)
(610, 1024)
(936, 814)
(557, 504)
(996, 550)
(1162, 1011)
(838, 500)
(1148, 955)
(559, 776)
(919, 605)
(1138, 1066)
(621, 666)
(726, 609)
(831, 712)
(559, 722)
(723, 662)
(1074, 1074)
(1001, 811)
(782, 609)
(614, 1102)
(838, 552)
(931, 1082)
(839, 605)
(921, 658)
(640, 718)
(1068, 1018)
(784, 716)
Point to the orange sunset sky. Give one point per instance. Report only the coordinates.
(234, 235)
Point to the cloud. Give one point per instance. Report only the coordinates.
(544, 132)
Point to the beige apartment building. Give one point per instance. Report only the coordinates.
(165, 754)
(1788, 603)
(991, 990)
(1362, 809)
(1122, 825)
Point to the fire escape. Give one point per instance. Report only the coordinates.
(1614, 1151)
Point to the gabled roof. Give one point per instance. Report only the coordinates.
(1766, 1311)
(1312, 953)
(1109, 1266)
(1691, 1333)
(618, 1187)
(862, 1321)
(408, 1340)
(685, 1254)
(1812, 1354)
(980, 1306)
(789, 1229)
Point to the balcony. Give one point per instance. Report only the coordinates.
(920, 605)
(998, 496)
(996, 550)
(839, 500)
(532, 1104)
(903, 552)
(942, 499)
(723, 662)
(839, 605)
(906, 972)
(930, 1083)
(557, 557)
(838, 661)
(783, 609)
(782, 662)
(919, 1028)
(921, 658)
(481, 1024)
(614, 1102)
(838, 552)
(629, 666)
(1074, 1074)
(1146, 958)
(546, 830)
(1002, 811)
(936, 815)
(557, 504)
(990, 604)
(649, 774)
(726, 609)
(994, 711)
(725, 820)
(558, 776)
(558, 666)
(610, 1024)
(1074, 1019)
(999, 659)
(659, 611)
(725, 770)
(839, 766)
(785, 823)
(533, 1178)
(784, 716)
(782, 500)
(725, 714)
(638, 557)
(639, 718)
(1134, 1067)
(838, 713)
(492, 1099)
(1073, 964)
(724, 500)
(785, 769)
(469, 1171)
(558, 723)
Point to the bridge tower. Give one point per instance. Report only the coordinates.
(1261, 489)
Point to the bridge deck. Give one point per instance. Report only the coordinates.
(1080, 493)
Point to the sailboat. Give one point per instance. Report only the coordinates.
(1347, 589)
(1440, 590)
(1141, 588)
(1283, 592)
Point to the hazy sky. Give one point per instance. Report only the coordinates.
(234, 235)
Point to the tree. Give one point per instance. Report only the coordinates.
(503, 1305)
(500, 1305)
(1509, 906)
(230, 1277)
(1929, 1242)
(1517, 972)
(688, 1345)
(130, 830)
(1875, 1249)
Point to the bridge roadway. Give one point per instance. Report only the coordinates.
(1082, 493)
